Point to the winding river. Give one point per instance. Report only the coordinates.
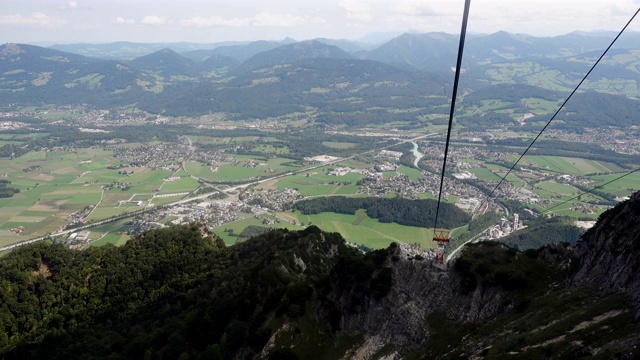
(418, 155)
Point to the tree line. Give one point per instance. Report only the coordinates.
(408, 212)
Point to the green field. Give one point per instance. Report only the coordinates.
(570, 166)
(413, 174)
(239, 225)
(361, 229)
(184, 184)
(621, 187)
(318, 183)
(244, 168)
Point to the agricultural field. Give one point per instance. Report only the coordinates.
(363, 230)
(317, 183)
(621, 187)
(237, 226)
(111, 233)
(244, 168)
(55, 184)
(570, 166)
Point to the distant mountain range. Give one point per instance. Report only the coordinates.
(340, 81)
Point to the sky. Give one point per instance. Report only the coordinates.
(45, 22)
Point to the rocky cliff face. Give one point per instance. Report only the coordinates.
(609, 253)
(420, 288)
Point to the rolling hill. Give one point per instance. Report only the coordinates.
(36, 75)
(168, 63)
(287, 54)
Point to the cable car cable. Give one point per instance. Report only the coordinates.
(563, 104)
(591, 191)
(463, 33)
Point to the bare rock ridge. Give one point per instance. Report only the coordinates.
(419, 289)
(609, 253)
(607, 259)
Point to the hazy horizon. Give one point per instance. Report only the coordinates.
(199, 21)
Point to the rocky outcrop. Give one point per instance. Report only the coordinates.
(420, 288)
(609, 253)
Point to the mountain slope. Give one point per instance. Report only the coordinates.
(243, 52)
(217, 61)
(610, 252)
(168, 63)
(179, 293)
(345, 88)
(32, 74)
(433, 52)
(287, 54)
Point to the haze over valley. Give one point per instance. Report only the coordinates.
(271, 199)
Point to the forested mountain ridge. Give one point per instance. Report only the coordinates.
(36, 75)
(333, 88)
(179, 293)
(287, 54)
(167, 63)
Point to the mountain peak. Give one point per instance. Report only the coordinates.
(168, 63)
(10, 49)
(286, 54)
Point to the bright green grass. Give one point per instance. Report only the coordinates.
(48, 225)
(361, 229)
(180, 185)
(239, 225)
(320, 184)
(485, 174)
(106, 212)
(621, 187)
(556, 188)
(111, 238)
(413, 174)
(147, 181)
(8, 238)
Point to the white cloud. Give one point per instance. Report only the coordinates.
(357, 10)
(73, 4)
(199, 21)
(263, 19)
(121, 20)
(153, 20)
(36, 19)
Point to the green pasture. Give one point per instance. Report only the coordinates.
(146, 180)
(485, 174)
(413, 174)
(40, 228)
(569, 165)
(321, 184)
(111, 229)
(244, 168)
(111, 238)
(106, 212)
(181, 185)
(622, 187)
(239, 225)
(158, 201)
(540, 106)
(361, 229)
(8, 238)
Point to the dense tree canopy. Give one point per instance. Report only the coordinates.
(402, 211)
